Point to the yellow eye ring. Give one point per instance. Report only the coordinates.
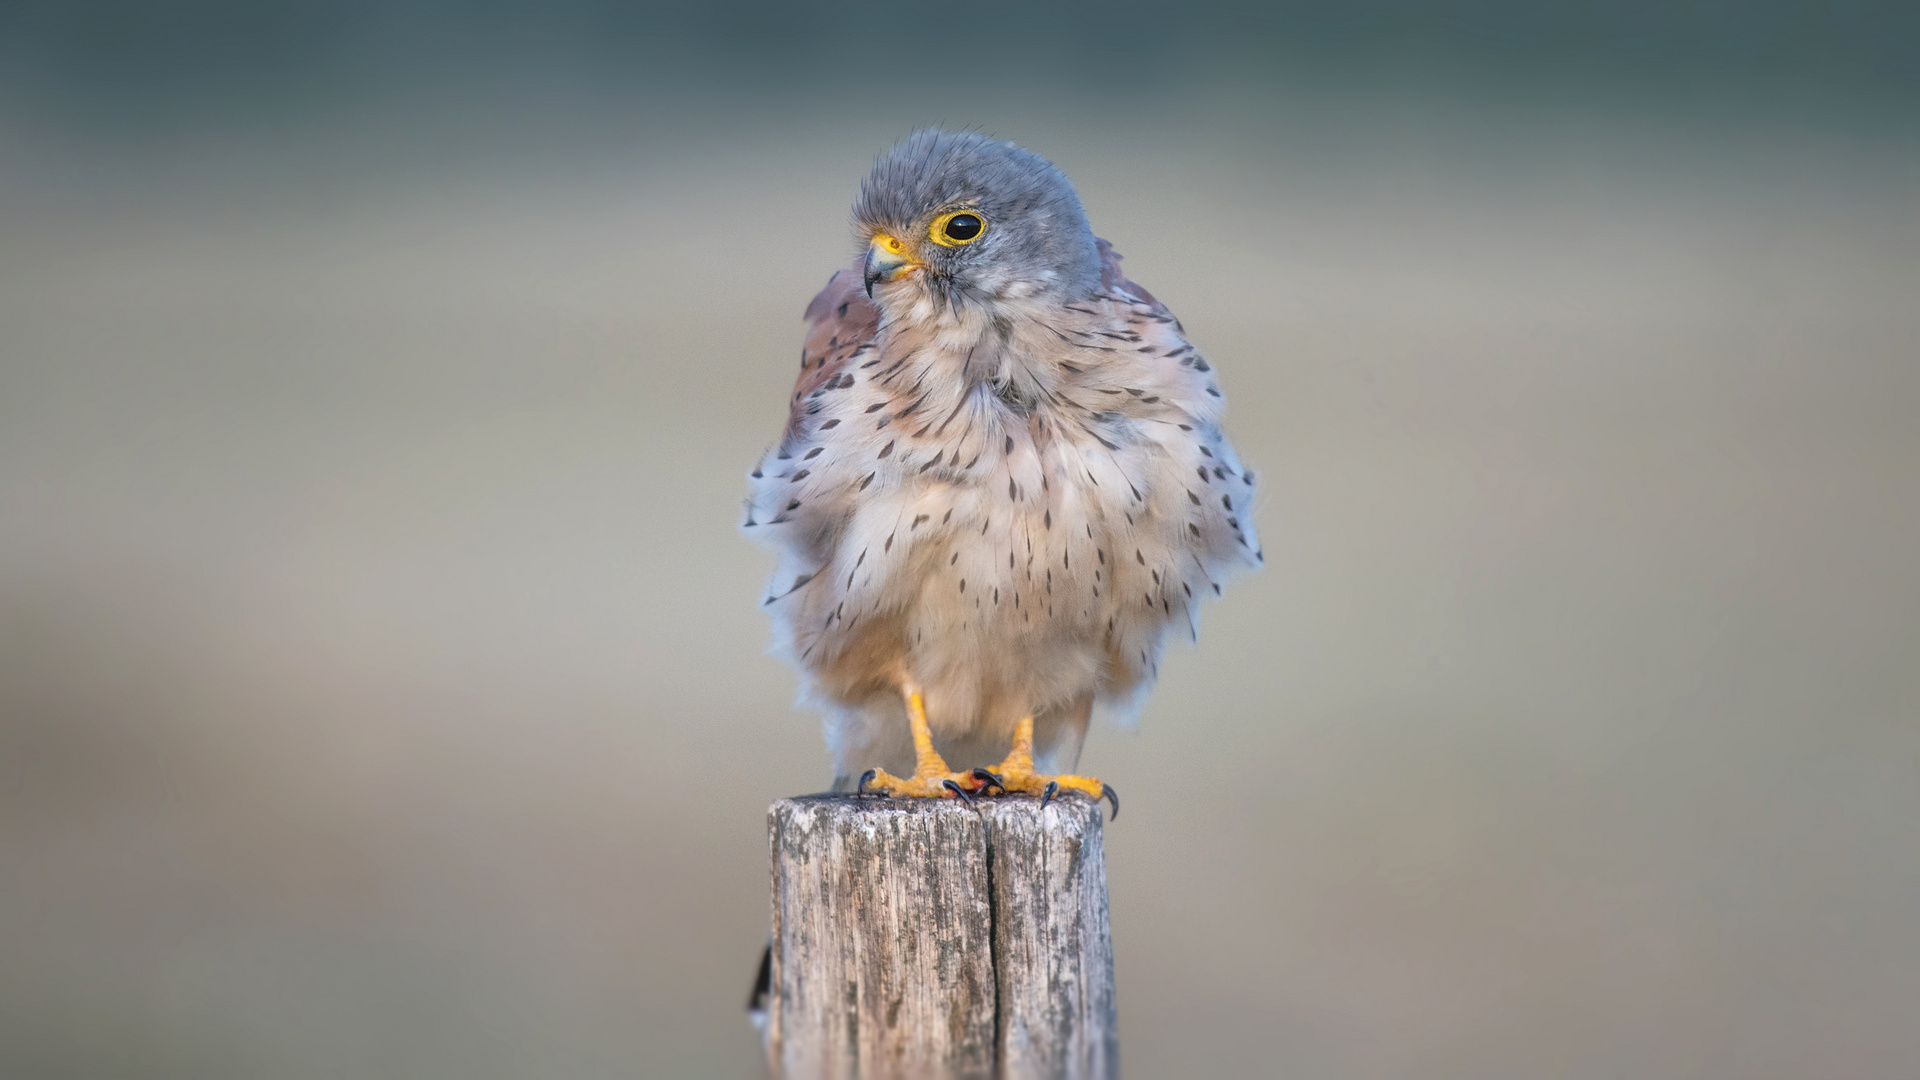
(957, 227)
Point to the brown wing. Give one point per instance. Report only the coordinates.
(843, 322)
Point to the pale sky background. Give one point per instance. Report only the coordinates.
(382, 689)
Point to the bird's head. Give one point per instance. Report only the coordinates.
(964, 220)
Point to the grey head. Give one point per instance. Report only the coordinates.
(972, 220)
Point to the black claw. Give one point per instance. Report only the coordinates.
(1053, 788)
(988, 779)
(957, 790)
(861, 787)
(1112, 796)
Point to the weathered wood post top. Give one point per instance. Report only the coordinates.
(933, 938)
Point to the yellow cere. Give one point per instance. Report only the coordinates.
(937, 232)
(890, 244)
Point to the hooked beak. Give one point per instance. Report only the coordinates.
(887, 259)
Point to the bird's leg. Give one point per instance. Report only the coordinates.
(931, 777)
(1016, 773)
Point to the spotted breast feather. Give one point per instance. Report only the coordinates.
(1012, 518)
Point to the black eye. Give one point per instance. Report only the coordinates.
(962, 227)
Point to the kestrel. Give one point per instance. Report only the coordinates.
(1003, 480)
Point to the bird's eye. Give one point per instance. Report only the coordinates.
(959, 227)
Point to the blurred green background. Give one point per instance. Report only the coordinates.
(381, 677)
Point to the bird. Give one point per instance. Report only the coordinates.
(1002, 484)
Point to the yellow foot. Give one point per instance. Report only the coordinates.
(930, 779)
(932, 784)
(1008, 779)
(1016, 774)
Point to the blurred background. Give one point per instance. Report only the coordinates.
(382, 688)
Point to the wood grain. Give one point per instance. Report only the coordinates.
(927, 938)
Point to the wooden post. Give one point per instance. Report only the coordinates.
(929, 938)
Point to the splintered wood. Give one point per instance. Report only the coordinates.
(929, 938)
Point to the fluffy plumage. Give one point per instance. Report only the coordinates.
(1003, 480)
